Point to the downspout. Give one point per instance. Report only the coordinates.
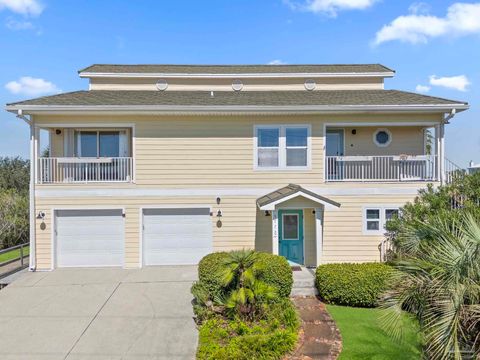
(32, 254)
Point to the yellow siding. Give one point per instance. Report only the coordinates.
(405, 140)
(216, 152)
(265, 84)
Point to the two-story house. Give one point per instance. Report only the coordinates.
(162, 164)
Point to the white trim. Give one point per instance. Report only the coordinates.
(272, 205)
(338, 125)
(282, 147)
(381, 220)
(129, 191)
(275, 237)
(87, 74)
(225, 109)
(53, 235)
(388, 132)
(318, 235)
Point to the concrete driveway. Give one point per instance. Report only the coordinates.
(99, 314)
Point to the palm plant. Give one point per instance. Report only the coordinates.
(249, 295)
(438, 280)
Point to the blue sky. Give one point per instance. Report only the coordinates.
(434, 44)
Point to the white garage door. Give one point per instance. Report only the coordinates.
(89, 238)
(176, 236)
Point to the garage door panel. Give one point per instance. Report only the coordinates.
(176, 236)
(89, 238)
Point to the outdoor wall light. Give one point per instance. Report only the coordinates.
(219, 213)
(41, 215)
(267, 213)
(218, 200)
(58, 131)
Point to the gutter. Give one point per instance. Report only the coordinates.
(236, 108)
(32, 234)
(87, 74)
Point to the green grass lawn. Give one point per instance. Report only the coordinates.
(364, 339)
(14, 254)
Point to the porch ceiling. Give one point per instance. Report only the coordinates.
(268, 201)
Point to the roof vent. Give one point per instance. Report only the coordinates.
(237, 85)
(162, 84)
(310, 84)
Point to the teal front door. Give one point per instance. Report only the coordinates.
(290, 235)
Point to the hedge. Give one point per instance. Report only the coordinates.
(358, 285)
(275, 271)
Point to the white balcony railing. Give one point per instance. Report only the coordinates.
(381, 168)
(84, 170)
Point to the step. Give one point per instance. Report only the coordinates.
(297, 292)
(304, 283)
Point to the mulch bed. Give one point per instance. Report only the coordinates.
(319, 336)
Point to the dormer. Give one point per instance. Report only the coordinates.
(236, 77)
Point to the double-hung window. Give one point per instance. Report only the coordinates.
(282, 147)
(375, 218)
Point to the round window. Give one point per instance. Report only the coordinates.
(382, 137)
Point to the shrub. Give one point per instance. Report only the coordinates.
(268, 338)
(274, 271)
(358, 285)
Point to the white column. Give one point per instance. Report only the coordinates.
(275, 232)
(33, 167)
(442, 153)
(319, 234)
(438, 152)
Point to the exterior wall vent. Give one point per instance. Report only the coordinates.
(310, 84)
(162, 84)
(237, 85)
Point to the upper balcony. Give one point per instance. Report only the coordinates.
(86, 155)
(386, 154)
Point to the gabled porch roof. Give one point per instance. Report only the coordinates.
(269, 201)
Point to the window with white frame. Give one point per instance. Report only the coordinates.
(101, 143)
(282, 147)
(375, 218)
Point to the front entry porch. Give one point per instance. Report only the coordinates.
(296, 224)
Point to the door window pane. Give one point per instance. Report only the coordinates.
(268, 137)
(268, 157)
(296, 157)
(88, 144)
(290, 227)
(109, 144)
(296, 136)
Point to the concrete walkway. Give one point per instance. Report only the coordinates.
(99, 314)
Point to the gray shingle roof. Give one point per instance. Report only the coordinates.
(231, 98)
(236, 69)
(288, 190)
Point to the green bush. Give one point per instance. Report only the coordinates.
(275, 271)
(268, 338)
(357, 285)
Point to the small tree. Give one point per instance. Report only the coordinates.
(249, 295)
(438, 280)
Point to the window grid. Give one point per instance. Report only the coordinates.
(283, 148)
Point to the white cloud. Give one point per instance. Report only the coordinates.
(13, 24)
(331, 7)
(23, 7)
(277, 62)
(459, 82)
(422, 88)
(418, 27)
(27, 85)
